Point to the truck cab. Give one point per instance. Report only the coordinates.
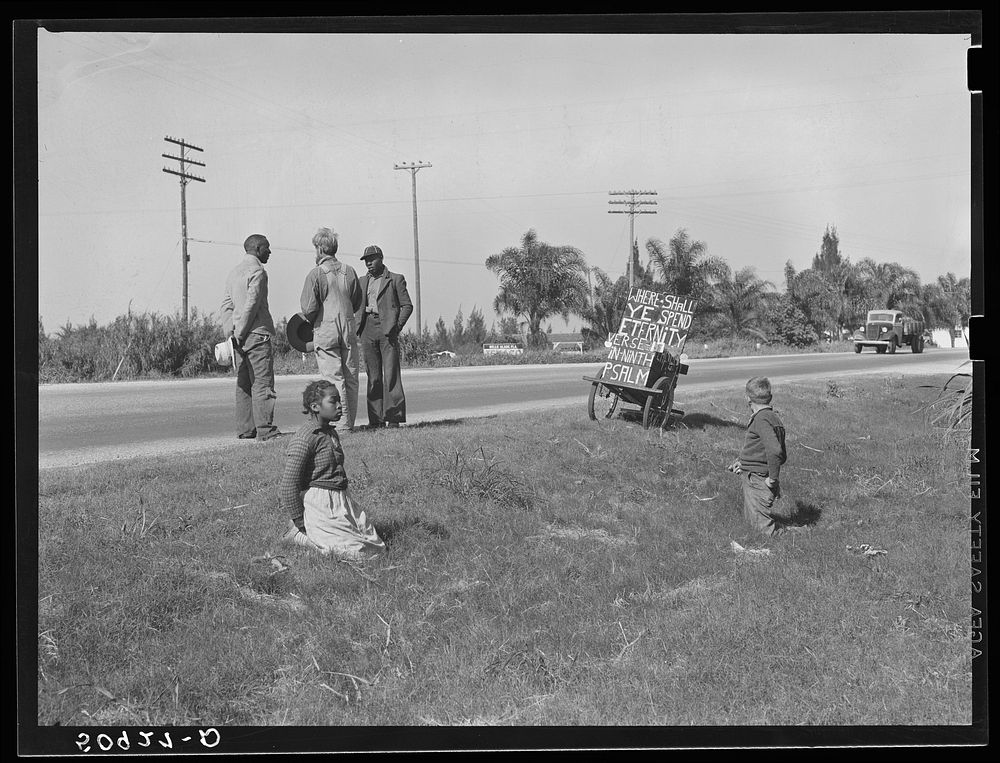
(886, 330)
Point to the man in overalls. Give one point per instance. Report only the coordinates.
(330, 298)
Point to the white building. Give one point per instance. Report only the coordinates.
(945, 337)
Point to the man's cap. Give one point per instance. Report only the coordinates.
(371, 251)
(299, 333)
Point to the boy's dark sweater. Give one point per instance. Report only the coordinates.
(764, 445)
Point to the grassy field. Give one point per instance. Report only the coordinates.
(541, 571)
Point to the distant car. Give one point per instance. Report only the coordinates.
(443, 354)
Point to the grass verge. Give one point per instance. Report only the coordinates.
(540, 572)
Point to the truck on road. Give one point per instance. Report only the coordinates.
(887, 330)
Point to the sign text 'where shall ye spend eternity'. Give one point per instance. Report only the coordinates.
(653, 321)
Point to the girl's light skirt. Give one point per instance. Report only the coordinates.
(337, 525)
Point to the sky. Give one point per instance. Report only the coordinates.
(753, 143)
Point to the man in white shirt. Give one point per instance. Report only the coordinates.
(245, 315)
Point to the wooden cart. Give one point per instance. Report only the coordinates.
(607, 399)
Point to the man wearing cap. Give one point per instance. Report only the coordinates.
(331, 296)
(245, 316)
(386, 309)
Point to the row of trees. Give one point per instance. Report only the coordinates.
(836, 294)
(132, 346)
(467, 334)
(538, 281)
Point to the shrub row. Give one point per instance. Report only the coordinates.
(150, 345)
(147, 345)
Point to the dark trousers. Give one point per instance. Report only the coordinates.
(386, 401)
(255, 387)
(759, 504)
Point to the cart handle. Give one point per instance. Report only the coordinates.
(625, 385)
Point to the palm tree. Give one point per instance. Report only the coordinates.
(604, 314)
(889, 285)
(684, 266)
(958, 293)
(839, 277)
(538, 281)
(818, 299)
(738, 300)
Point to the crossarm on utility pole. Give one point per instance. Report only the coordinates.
(633, 205)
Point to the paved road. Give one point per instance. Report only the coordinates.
(86, 423)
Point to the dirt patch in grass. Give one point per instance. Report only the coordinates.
(594, 534)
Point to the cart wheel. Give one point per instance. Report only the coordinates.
(659, 415)
(602, 402)
(668, 406)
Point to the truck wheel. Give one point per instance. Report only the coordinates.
(917, 345)
(880, 349)
(857, 348)
(892, 346)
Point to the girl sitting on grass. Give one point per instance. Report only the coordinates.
(313, 488)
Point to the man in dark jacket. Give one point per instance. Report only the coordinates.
(386, 308)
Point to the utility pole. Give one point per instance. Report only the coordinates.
(633, 207)
(185, 179)
(413, 167)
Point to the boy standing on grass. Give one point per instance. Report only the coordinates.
(761, 459)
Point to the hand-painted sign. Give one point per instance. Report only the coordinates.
(653, 322)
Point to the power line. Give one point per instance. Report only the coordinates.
(830, 187)
(501, 197)
(275, 248)
(236, 98)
